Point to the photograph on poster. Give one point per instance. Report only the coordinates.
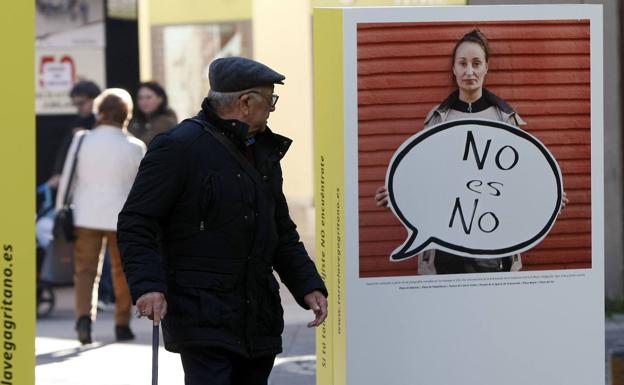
(474, 147)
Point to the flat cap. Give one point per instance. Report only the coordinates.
(232, 74)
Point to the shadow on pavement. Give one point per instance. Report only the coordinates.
(66, 354)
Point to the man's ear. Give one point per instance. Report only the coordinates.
(243, 104)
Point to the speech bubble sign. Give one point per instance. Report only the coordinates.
(475, 188)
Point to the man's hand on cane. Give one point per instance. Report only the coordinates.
(152, 305)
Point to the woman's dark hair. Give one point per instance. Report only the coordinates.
(158, 90)
(85, 88)
(474, 36)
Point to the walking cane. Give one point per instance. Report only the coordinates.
(155, 335)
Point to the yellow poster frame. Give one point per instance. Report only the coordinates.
(17, 203)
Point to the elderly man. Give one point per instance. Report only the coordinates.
(205, 225)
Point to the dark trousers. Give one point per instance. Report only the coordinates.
(106, 291)
(213, 366)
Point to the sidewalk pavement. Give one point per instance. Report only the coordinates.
(61, 360)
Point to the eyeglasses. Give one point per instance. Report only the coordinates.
(274, 97)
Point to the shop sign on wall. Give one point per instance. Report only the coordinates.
(57, 70)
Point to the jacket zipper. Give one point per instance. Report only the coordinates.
(470, 107)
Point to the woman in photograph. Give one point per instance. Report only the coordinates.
(470, 60)
(152, 114)
(98, 173)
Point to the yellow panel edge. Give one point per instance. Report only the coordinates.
(166, 12)
(17, 203)
(329, 130)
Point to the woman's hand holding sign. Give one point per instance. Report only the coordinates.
(381, 196)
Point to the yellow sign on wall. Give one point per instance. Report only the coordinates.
(329, 143)
(201, 11)
(198, 11)
(17, 203)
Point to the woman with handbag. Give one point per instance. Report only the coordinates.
(97, 176)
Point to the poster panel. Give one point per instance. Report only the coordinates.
(329, 117)
(17, 172)
(409, 320)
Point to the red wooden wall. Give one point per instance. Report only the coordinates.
(540, 68)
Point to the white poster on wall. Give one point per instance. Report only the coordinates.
(58, 69)
(474, 190)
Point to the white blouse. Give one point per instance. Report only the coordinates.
(108, 160)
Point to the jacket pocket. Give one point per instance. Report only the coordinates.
(204, 299)
(208, 193)
(272, 314)
(220, 199)
(207, 203)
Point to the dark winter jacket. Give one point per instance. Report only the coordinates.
(208, 233)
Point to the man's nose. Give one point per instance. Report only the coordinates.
(272, 108)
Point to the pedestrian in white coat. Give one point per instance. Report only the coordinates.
(107, 160)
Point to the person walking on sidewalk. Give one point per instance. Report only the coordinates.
(205, 225)
(152, 114)
(82, 96)
(107, 159)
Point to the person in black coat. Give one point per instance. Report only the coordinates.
(206, 224)
(82, 96)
